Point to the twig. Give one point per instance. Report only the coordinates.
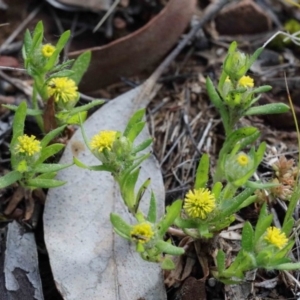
(210, 12)
(114, 5)
(20, 28)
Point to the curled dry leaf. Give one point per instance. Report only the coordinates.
(136, 52)
(88, 260)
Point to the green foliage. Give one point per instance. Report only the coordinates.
(28, 156)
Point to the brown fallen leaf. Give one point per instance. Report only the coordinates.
(136, 52)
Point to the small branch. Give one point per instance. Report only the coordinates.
(210, 12)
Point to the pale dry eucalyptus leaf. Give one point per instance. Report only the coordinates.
(88, 260)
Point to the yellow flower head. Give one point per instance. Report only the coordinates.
(47, 50)
(28, 145)
(103, 140)
(243, 159)
(246, 81)
(62, 88)
(199, 202)
(142, 232)
(275, 237)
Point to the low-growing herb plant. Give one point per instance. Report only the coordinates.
(55, 84)
(207, 208)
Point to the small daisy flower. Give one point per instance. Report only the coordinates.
(142, 232)
(242, 159)
(48, 50)
(62, 88)
(275, 237)
(103, 140)
(246, 81)
(198, 203)
(28, 145)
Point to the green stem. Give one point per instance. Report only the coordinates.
(38, 119)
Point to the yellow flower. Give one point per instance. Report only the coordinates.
(142, 232)
(275, 237)
(28, 145)
(199, 202)
(62, 88)
(246, 81)
(242, 159)
(103, 140)
(47, 50)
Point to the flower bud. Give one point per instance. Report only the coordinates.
(237, 166)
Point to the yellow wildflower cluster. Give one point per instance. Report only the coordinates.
(246, 81)
(48, 50)
(62, 88)
(199, 203)
(142, 232)
(103, 140)
(275, 237)
(28, 145)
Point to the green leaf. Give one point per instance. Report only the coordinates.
(260, 185)
(80, 66)
(27, 44)
(221, 261)
(288, 227)
(9, 178)
(135, 125)
(62, 66)
(62, 73)
(202, 172)
(142, 146)
(59, 46)
(51, 135)
(121, 227)
(151, 217)
(248, 237)
(29, 111)
(267, 109)
(172, 213)
(262, 89)
(135, 131)
(185, 223)
(231, 206)
(85, 107)
(203, 229)
(18, 130)
(287, 266)
(236, 137)
(48, 152)
(167, 264)
(255, 55)
(213, 94)
(46, 176)
(263, 222)
(140, 193)
(47, 168)
(45, 183)
(102, 167)
(127, 186)
(168, 248)
(216, 190)
(78, 118)
(248, 201)
(37, 36)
